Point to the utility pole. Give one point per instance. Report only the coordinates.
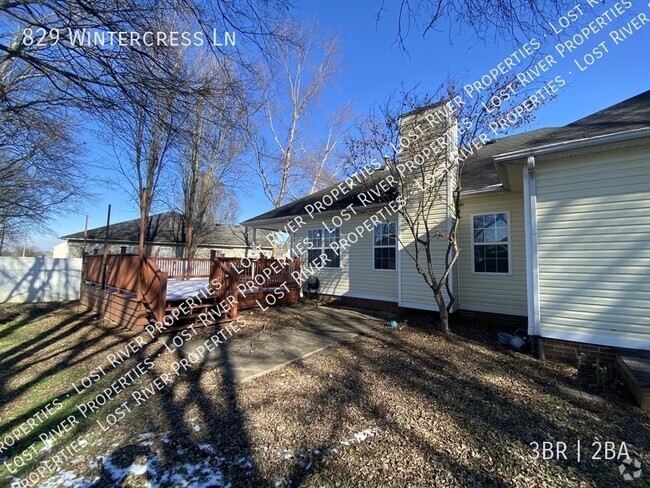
(2, 235)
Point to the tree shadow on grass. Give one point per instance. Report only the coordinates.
(403, 383)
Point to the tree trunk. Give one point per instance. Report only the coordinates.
(442, 308)
(144, 214)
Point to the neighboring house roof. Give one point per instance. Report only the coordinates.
(480, 172)
(167, 228)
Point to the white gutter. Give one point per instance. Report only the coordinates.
(575, 144)
(532, 255)
(483, 191)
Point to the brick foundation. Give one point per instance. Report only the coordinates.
(505, 322)
(568, 351)
(359, 302)
(554, 349)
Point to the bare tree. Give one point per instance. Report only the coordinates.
(210, 151)
(494, 20)
(425, 141)
(287, 161)
(63, 57)
(40, 175)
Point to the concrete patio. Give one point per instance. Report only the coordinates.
(249, 357)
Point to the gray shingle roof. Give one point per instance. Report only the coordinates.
(297, 207)
(628, 115)
(479, 170)
(167, 228)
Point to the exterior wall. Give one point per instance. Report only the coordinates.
(356, 276)
(230, 252)
(415, 293)
(488, 292)
(75, 249)
(61, 250)
(39, 279)
(427, 199)
(593, 217)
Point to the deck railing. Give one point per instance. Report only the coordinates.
(183, 268)
(124, 272)
(227, 278)
(121, 270)
(154, 288)
(263, 272)
(121, 274)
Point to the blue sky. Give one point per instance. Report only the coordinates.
(373, 66)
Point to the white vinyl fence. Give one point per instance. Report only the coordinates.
(39, 279)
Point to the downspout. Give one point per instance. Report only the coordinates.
(398, 258)
(291, 254)
(532, 261)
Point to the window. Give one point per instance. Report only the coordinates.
(165, 252)
(385, 246)
(126, 250)
(320, 241)
(490, 243)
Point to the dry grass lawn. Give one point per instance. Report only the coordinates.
(405, 407)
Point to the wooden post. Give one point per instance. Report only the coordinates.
(105, 253)
(85, 236)
(144, 211)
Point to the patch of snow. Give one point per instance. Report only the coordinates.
(199, 475)
(118, 474)
(364, 434)
(207, 448)
(245, 462)
(66, 479)
(361, 436)
(286, 454)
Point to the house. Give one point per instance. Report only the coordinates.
(165, 238)
(554, 234)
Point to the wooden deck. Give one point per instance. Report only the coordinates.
(635, 369)
(134, 294)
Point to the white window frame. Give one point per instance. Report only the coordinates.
(374, 246)
(509, 243)
(322, 247)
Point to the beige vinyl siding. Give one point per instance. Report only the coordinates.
(494, 293)
(415, 293)
(593, 217)
(356, 276)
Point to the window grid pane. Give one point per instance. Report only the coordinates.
(321, 241)
(385, 246)
(491, 241)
